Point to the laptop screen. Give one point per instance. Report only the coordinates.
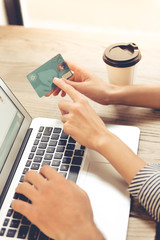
(10, 123)
(14, 124)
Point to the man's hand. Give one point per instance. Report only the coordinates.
(59, 208)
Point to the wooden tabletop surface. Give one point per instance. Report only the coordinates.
(23, 49)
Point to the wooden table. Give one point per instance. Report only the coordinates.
(22, 50)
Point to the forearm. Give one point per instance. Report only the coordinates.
(88, 231)
(136, 95)
(120, 156)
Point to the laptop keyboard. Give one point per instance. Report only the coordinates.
(53, 147)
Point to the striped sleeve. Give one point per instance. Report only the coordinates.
(145, 186)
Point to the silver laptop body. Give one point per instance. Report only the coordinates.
(106, 188)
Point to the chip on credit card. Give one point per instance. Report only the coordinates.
(41, 78)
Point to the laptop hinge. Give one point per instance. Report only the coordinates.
(15, 165)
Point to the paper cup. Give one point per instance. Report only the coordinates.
(121, 59)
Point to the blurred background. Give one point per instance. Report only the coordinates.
(86, 15)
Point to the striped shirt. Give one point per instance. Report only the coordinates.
(145, 186)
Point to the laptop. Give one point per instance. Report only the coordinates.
(27, 143)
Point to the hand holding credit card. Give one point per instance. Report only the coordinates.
(41, 78)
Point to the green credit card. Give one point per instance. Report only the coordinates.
(41, 78)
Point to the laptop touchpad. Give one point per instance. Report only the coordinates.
(109, 198)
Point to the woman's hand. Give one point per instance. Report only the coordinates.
(79, 118)
(88, 84)
(85, 126)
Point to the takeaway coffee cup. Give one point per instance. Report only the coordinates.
(121, 59)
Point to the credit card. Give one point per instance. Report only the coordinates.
(41, 78)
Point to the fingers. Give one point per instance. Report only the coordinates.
(71, 65)
(55, 92)
(34, 178)
(65, 106)
(27, 190)
(22, 207)
(39, 179)
(49, 173)
(76, 85)
(49, 93)
(36, 181)
(75, 95)
(79, 72)
(63, 94)
(32, 182)
(80, 75)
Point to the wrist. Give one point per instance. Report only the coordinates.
(135, 95)
(104, 142)
(88, 231)
(115, 95)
